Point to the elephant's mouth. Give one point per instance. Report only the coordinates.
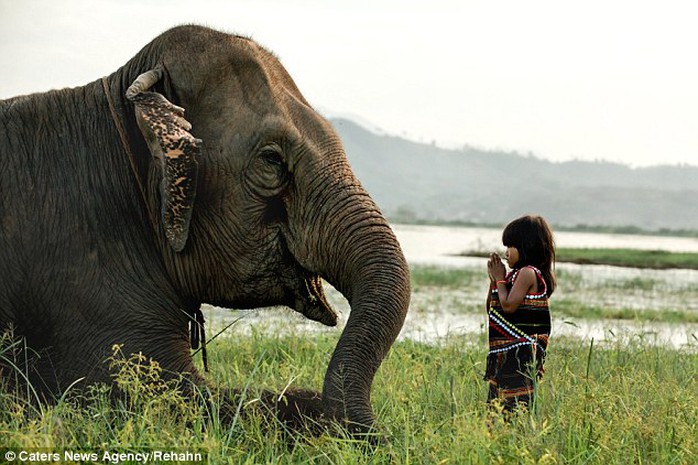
(310, 300)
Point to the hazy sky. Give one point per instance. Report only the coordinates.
(611, 80)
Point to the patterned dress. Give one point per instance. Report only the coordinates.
(517, 345)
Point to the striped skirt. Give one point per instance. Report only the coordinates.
(512, 375)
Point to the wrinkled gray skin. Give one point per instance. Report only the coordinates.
(270, 206)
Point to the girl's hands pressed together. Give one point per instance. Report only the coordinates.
(510, 299)
(495, 268)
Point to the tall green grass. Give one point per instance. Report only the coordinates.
(623, 402)
(616, 404)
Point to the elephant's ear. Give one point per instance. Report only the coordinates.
(167, 134)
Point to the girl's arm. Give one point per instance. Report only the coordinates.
(510, 300)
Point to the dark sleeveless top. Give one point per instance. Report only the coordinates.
(528, 327)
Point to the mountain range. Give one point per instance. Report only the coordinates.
(417, 182)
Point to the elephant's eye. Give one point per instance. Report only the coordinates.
(268, 172)
(272, 156)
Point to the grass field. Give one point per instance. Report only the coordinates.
(634, 258)
(656, 259)
(643, 296)
(616, 405)
(613, 403)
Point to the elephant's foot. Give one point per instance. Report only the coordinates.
(299, 412)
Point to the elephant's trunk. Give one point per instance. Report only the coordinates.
(356, 251)
(379, 304)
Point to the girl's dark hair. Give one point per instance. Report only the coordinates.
(533, 238)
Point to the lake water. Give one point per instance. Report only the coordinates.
(438, 244)
(432, 318)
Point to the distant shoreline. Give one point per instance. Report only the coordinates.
(581, 228)
(629, 258)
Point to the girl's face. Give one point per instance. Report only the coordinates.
(512, 256)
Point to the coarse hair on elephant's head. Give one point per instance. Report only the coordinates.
(254, 201)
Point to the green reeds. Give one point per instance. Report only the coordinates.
(613, 404)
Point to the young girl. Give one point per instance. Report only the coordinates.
(517, 311)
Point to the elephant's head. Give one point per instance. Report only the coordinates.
(257, 201)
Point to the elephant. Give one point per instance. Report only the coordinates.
(120, 217)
